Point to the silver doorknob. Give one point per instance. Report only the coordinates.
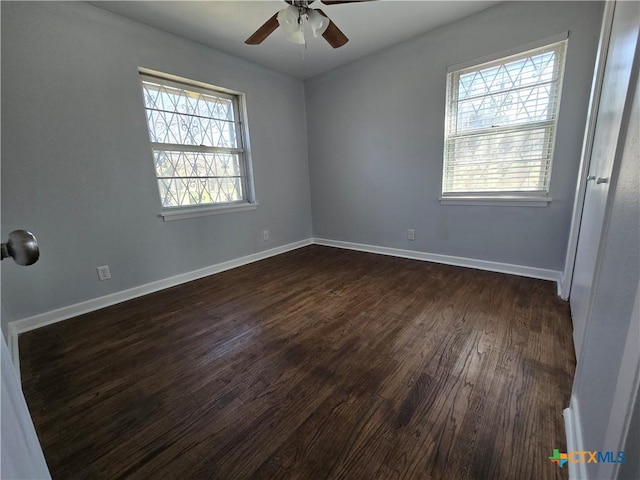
(602, 180)
(591, 177)
(22, 246)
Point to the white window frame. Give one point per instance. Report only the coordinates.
(501, 198)
(243, 150)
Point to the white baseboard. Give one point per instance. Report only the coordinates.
(563, 288)
(519, 270)
(573, 431)
(23, 325)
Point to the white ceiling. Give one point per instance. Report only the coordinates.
(225, 25)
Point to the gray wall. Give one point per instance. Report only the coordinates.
(76, 161)
(77, 169)
(376, 130)
(613, 302)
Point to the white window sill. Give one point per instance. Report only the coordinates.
(496, 200)
(182, 213)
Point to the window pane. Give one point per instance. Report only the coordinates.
(180, 192)
(522, 72)
(515, 161)
(193, 178)
(196, 164)
(530, 104)
(189, 118)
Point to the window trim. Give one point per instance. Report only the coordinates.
(496, 200)
(180, 213)
(244, 147)
(502, 198)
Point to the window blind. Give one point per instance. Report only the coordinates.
(501, 123)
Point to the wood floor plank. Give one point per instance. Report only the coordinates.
(316, 364)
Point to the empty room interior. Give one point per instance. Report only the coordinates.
(320, 239)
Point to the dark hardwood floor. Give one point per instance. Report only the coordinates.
(319, 363)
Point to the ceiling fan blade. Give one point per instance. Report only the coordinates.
(264, 31)
(338, 2)
(333, 34)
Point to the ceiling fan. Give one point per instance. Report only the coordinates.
(293, 19)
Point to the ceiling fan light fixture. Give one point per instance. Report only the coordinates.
(297, 36)
(288, 19)
(318, 22)
(296, 17)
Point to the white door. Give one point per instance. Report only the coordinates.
(21, 456)
(614, 104)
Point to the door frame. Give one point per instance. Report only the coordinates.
(587, 148)
(628, 377)
(627, 390)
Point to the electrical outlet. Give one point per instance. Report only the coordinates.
(265, 235)
(411, 234)
(103, 272)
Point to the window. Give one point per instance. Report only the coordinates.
(197, 138)
(500, 126)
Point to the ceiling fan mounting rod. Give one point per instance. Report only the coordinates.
(300, 3)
